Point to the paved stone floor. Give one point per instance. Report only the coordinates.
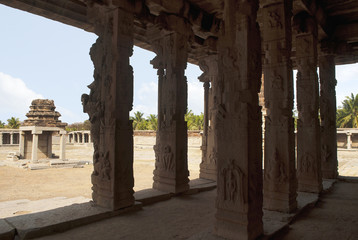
(185, 217)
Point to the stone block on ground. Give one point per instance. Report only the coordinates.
(149, 196)
(7, 232)
(62, 219)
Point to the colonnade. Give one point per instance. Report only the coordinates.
(9, 137)
(232, 139)
(79, 137)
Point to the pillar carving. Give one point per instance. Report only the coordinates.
(108, 106)
(171, 163)
(209, 66)
(328, 83)
(238, 120)
(280, 183)
(308, 129)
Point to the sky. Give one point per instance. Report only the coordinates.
(42, 58)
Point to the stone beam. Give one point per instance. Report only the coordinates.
(73, 13)
(347, 32)
(316, 11)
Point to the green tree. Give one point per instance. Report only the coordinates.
(347, 116)
(194, 122)
(13, 123)
(2, 124)
(152, 122)
(139, 122)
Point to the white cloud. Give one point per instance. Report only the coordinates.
(196, 97)
(146, 98)
(15, 97)
(70, 117)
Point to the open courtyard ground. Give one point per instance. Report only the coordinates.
(17, 183)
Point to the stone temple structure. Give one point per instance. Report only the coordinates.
(37, 130)
(234, 42)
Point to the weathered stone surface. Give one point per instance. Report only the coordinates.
(108, 106)
(42, 113)
(171, 166)
(239, 136)
(328, 111)
(308, 130)
(150, 196)
(280, 183)
(209, 66)
(7, 232)
(62, 219)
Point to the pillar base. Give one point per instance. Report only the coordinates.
(208, 171)
(170, 184)
(330, 174)
(309, 187)
(234, 225)
(280, 202)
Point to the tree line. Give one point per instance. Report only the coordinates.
(347, 117)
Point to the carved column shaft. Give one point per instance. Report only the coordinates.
(239, 140)
(209, 66)
(280, 183)
(108, 106)
(308, 129)
(171, 166)
(328, 82)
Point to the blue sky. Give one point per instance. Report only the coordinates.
(41, 58)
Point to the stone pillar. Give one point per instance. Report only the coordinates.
(109, 103)
(328, 82)
(280, 183)
(49, 144)
(11, 138)
(1, 142)
(308, 129)
(89, 138)
(239, 140)
(209, 66)
(63, 146)
(35, 141)
(349, 140)
(171, 162)
(83, 137)
(22, 144)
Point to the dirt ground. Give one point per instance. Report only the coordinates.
(17, 183)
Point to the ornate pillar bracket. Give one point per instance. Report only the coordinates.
(308, 129)
(328, 109)
(280, 183)
(238, 124)
(108, 106)
(209, 66)
(171, 162)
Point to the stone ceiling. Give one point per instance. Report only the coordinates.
(338, 20)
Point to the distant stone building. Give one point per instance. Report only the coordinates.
(36, 131)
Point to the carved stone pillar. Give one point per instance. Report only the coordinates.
(280, 183)
(171, 162)
(11, 138)
(209, 66)
(49, 145)
(328, 82)
(238, 120)
(108, 106)
(308, 130)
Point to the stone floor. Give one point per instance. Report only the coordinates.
(192, 217)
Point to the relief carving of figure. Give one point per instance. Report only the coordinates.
(233, 183)
(167, 157)
(102, 168)
(276, 169)
(325, 153)
(275, 19)
(306, 165)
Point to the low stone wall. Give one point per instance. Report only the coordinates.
(143, 133)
